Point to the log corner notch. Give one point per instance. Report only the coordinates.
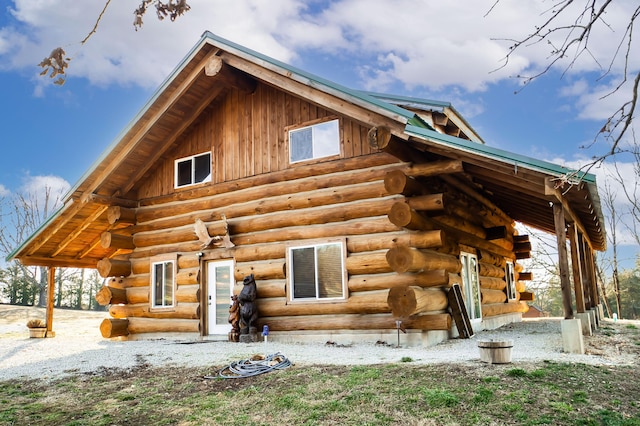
(113, 268)
(114, 327)
(229, 76)
(110, 295)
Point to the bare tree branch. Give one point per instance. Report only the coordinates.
(575, 39)
(57, 62)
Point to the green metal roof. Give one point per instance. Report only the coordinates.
(499, 154)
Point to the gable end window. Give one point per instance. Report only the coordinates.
(192, 170)
(317, 272)
(314, 141)
(163, 284)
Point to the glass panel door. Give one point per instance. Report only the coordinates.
(471, 285)
(220, 288)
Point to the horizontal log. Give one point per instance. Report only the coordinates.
(461, 225)
(188, 276)
(493, 283)
(112, 327)
(407, 259)
(397, 182)
(305, 181)
(356, 322)
(430, 203)
(489, 296)
(435, 278)
(527, 296)
(184, 233)
(137, 295)
(141, 280)
(503, 308)
(116, 241)
(520, 238)
(111, 295)
(269, 270)
(367, 263)
(520, 286)
(488, 270)
(225, 74)
(189, 260)
(379, 137)
(411, 300)
(402, 215)
(496, 232)
(121, 215)
(370, 302)
(181, 310)
(525, 276)
(491, 258)
(114, 268)
(420, 239)
(523, 255)
(436, 168)
(159, 325)
(266, 288)
(188, 294)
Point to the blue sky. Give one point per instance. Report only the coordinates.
(449, 51)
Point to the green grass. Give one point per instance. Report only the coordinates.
(404, 393)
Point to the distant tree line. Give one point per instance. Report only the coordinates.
(74, 288)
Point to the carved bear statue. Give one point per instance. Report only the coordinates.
(248, 308)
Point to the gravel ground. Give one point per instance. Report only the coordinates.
(78, 348)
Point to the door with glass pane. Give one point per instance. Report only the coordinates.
(220, 288)
(471, 285)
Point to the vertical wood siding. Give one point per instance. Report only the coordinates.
(246, 133)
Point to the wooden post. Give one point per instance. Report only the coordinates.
(51, 285)
(563, 261)
(576, 267)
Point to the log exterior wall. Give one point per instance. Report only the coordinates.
(266, 204)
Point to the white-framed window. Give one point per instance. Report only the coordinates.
(314, 141)
(163, 284)
(192, 170)
(471, 285)
(511, 281)
(317, 271)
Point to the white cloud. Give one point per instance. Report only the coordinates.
(426, 46)
(46, 191)
(4, 191)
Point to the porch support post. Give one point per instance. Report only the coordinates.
(577, 267)
(563, 261)
(51, 275)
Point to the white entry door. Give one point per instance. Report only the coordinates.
(220, 288)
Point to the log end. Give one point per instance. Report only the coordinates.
(111, 327)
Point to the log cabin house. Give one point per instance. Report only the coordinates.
(355, 212)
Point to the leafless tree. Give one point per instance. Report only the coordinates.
(20, 217)
(570, 42)
(57, 62)
(613, 218)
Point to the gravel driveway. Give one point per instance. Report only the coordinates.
(78, 348)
